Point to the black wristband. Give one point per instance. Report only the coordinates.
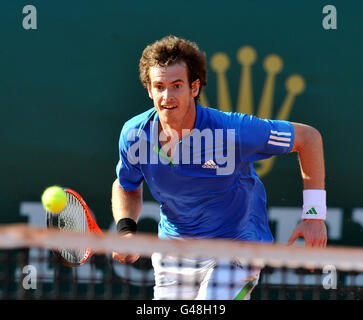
(126, 225)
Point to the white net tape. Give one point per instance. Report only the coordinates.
(274, 255)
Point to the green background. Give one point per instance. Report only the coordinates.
(67, 88)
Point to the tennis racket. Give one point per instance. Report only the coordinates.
(76, 216)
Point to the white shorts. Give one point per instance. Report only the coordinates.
(202, 279)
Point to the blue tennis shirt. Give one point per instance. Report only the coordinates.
(210, 188)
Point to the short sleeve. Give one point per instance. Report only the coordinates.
(128, 172)
(263, 138)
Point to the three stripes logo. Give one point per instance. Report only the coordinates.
(281, 139)
(311, 211)
(244, 101)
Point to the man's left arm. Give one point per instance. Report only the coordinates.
(308, 144)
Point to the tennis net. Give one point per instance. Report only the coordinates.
(29, 270)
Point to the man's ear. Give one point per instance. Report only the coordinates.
(195, 87)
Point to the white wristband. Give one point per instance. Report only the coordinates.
(314, 204)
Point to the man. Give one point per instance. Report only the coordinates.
(210, 189)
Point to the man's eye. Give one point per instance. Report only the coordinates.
(177, 86)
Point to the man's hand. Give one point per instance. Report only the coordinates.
(125, 258)
(313, 231)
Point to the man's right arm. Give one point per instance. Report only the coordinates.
(126, 204)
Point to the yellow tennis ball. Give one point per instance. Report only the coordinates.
(54, 199)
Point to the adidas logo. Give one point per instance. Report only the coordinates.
(311, 211)
(210, 164)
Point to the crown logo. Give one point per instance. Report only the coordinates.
(272, 64)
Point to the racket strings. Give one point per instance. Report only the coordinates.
(73, 218)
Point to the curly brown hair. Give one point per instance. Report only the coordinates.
(171, 50)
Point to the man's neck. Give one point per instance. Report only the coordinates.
(178, 130)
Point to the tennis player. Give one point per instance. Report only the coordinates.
(208, 188)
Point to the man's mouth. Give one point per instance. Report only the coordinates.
(169, 107)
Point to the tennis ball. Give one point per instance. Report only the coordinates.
(54, 199)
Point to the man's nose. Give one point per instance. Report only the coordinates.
(167, 95)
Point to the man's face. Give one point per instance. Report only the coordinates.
(172, 95)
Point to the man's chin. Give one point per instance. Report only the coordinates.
(168, 115)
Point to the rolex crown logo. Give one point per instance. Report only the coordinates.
(272, 64)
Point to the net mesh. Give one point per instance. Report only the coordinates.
(29, 270)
